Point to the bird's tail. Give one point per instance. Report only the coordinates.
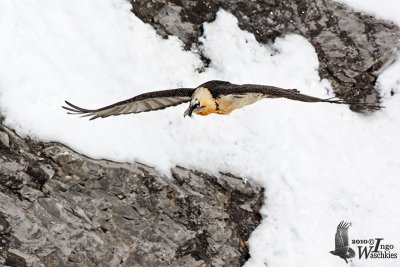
(351, 253)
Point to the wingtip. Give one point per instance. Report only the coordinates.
(356, 106)
(68, 104)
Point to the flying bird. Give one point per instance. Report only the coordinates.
(342, 248)
(218, 97)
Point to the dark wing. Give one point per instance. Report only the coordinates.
(145, 102)
(341, 237)
(276, 92)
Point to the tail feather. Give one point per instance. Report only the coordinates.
(351, 253)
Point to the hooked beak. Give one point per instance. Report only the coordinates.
(189, 111)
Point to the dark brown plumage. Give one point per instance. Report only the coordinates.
(211, 97)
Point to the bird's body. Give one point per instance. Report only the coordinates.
(218, 97)
(227, 104)
(221, 103)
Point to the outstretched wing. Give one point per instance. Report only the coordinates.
(341, 237)
(141, 103)
(276, 92)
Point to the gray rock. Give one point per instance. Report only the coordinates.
(59, 208)
(4, 139)
(352, 48)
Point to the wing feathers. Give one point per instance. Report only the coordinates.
(341, 237)
(155, 103)
(276, 92)
(294, 94)
(142, 103)
(145, 105)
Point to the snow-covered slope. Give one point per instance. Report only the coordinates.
(387, 9)
(319, 163)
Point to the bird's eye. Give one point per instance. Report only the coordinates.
(196, 104)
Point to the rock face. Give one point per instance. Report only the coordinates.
(352, 48)
(59, 208)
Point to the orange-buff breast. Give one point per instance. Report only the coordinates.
(205, 111)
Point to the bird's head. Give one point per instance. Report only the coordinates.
(194, 106)
(332, 252)
(202, 103)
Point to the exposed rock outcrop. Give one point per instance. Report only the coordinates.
(59, 208)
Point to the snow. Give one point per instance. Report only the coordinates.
(319, 163)
(386, 9)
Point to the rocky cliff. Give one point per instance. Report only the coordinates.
(59, 208)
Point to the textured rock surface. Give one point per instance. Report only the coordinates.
(59, 208)
(351, 47)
